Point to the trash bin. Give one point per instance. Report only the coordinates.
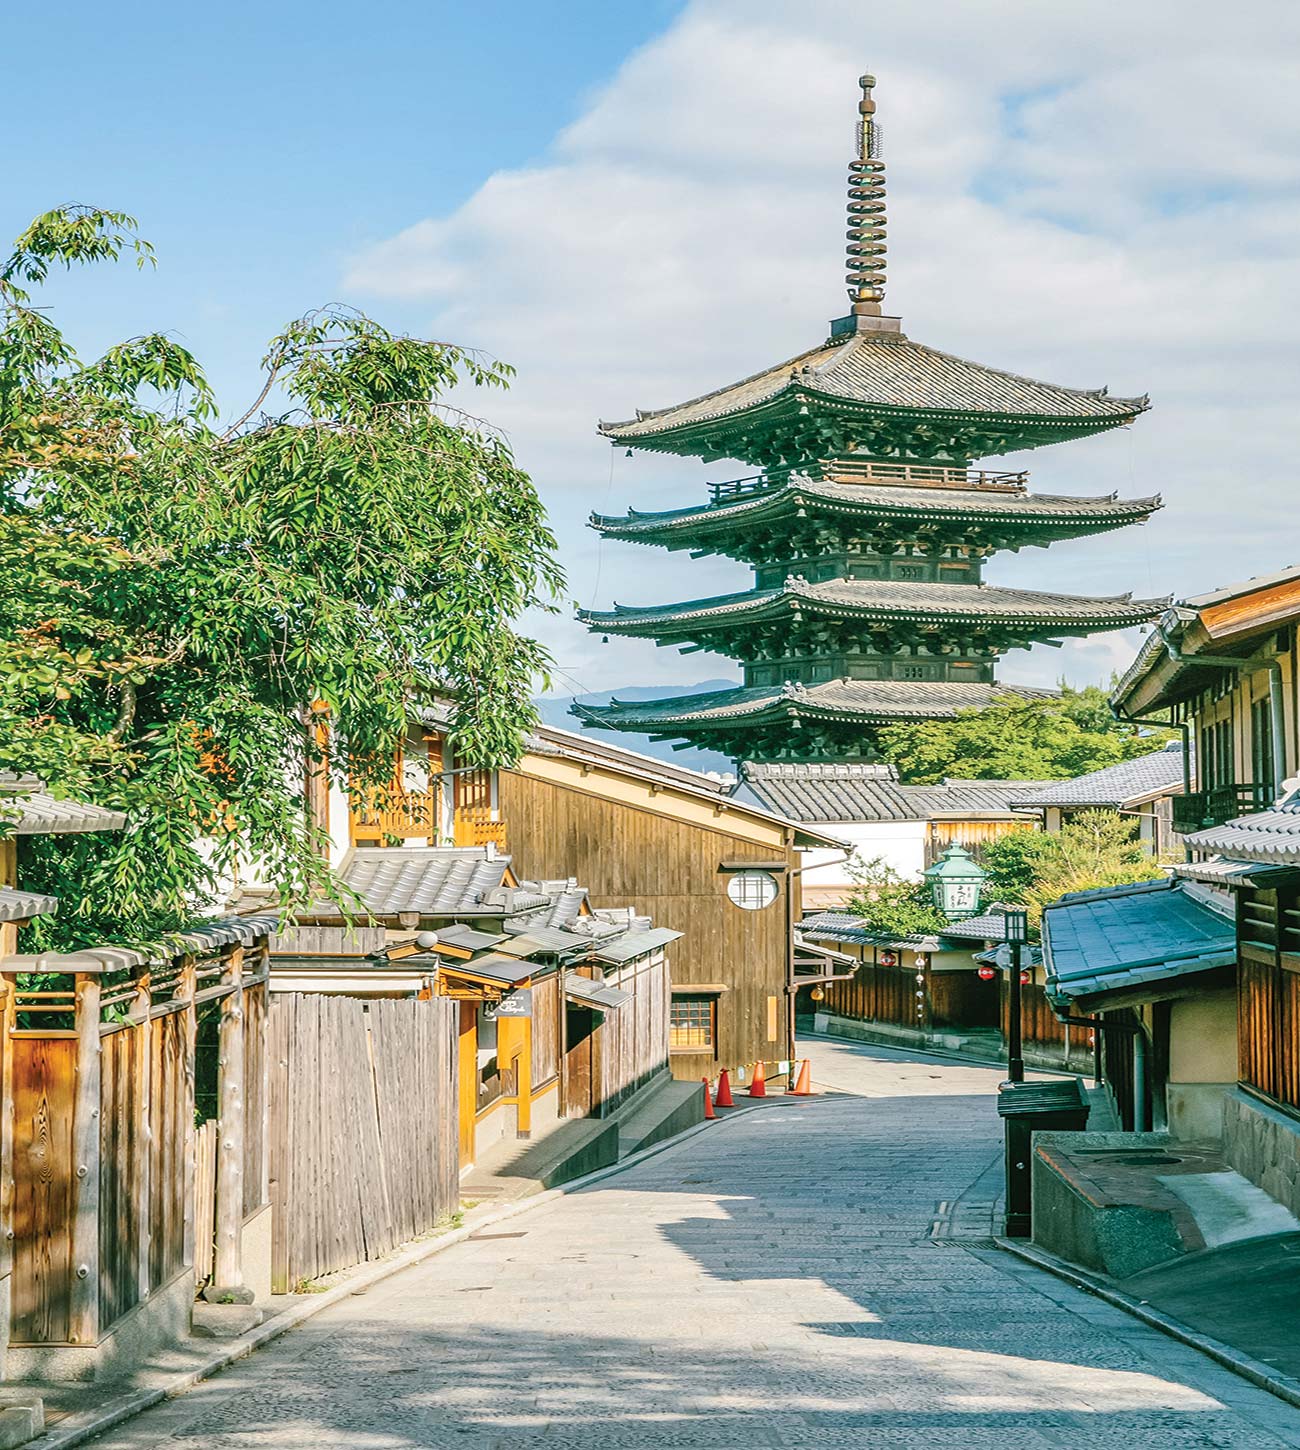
(1058, 1104)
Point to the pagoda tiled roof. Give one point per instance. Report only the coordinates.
(863, 702)
(1061, 515)
(886, 599)
(888, 372)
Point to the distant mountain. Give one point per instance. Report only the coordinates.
(554, 710)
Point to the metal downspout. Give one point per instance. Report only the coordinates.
(1139, 1081)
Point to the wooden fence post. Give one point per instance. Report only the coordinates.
(143, 1128)
(9, 985)
(84, 1295)
(227, 1266)
(186, 986)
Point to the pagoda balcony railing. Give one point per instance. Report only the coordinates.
(1203, 809)
(923, 475)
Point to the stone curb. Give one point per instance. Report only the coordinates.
(1256, 1371)
(76, 1429)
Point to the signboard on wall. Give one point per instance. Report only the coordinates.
(518, 1003)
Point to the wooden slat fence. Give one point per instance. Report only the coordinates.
(548, 1003)
(1268, 1029)
(362, 1129)
(100, 1065)
(632, 1040)
(205, 1199)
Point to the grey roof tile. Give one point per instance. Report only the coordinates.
(202, 939)
(892, 372)
(424, 881)
(866, 792)
(895, 599)
(17, 905)
(867, 701)
(1124, 936)
(1272, 835)
(845, 926)
(36, 813)
(1159, 773)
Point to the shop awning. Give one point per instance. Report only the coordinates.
(1127, 944)
(593, 994)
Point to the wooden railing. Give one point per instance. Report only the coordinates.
(1205, 808)
(868, 471)
(390, 812)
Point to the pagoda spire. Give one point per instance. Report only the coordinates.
(866, 234)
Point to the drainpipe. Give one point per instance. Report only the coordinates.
(1277, 714)
(1139, 1081)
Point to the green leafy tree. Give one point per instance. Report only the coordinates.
(184, 600)
(890, 904)
(1013, 862)
(1093, 849)
(1018, 739)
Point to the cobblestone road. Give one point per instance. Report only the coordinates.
(809, 1275)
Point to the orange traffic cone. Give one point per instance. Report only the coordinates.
(724, 1098)
(803, 1087)
(758, 1084)
(708, 1101)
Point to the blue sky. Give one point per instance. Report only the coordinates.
(261, 145)
(635, 203)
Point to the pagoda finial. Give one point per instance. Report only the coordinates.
(866, 251)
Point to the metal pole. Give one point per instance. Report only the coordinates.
(1015, 1062)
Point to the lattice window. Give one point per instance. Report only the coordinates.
(692, 1022)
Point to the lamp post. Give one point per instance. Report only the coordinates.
(1015, 932)
(955, 881)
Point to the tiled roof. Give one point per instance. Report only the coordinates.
(854, 792)
(1160, 773)
(865, 701)
(989, 925)
(27, 810)
(887, 501)
(629, 945)
(1272, 835)
(883, 599)
(16, 905)
(1130, 937)
(891, 372)
(845, 926)
(203, 939)
(428, 881)
(1224, 871)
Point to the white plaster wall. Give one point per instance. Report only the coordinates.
(899, 843)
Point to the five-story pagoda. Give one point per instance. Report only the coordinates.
(867, 528)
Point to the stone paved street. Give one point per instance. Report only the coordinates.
(813, 1274)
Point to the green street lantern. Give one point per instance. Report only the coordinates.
(955, 882)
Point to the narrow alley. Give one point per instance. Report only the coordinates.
(816, 1272)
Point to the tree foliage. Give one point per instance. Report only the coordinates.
(1093, 849)
(181, 597)
(1018, 739)
(890, 904)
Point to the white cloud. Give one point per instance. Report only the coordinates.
(1100, 194)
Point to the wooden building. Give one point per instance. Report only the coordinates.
(642, 836)
(1222, 668)
(561, 1011)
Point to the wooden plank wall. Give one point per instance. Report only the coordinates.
(171, 1110)
(876, 993)
(1268, 1029)
(255, 1086)
(44, 1078)
(363, 1129)
(667, 869)
(631, 1045)
(548, 1003)
(121, 1161)
(205, 1199)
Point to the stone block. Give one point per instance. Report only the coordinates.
(224, 1321)
(22, 1417)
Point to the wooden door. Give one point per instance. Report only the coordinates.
(467, 1064)
(579, 1026)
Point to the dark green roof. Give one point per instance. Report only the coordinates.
(878, 393)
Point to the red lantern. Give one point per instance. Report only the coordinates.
(889, 959)
(1024, 978)
(986, 974)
